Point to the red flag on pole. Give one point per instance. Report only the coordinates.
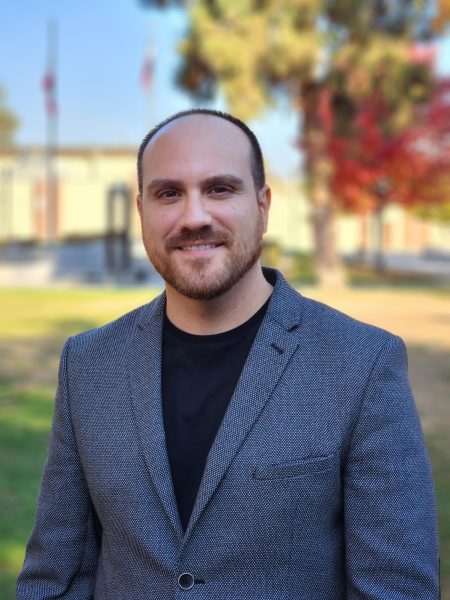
(49, 87)
(148, 67)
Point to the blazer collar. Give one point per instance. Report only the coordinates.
(144, 370)
(271, 351)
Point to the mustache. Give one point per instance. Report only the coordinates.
(204, 234)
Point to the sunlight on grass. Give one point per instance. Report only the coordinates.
(11, 560)
(30, 313)
(11, 556)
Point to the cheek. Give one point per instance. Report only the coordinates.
(156, 224)
(238, 218)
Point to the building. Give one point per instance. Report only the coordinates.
(93, 196)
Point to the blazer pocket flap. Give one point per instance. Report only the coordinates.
(304, 466)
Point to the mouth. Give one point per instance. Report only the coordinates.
(198, 247)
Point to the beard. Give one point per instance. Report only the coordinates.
(197, 278)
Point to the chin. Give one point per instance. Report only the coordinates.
(208, 288)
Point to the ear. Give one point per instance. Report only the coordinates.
(264, 200)
(139, 203)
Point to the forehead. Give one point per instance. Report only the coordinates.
(197, 144)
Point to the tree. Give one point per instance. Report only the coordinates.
(326, 57)
(410, 167)
(415, 162)
(8, 123)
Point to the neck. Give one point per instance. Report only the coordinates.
(229, 310)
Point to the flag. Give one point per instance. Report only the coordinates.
(148, 67)
(49, 87)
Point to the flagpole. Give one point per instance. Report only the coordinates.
(52, 132)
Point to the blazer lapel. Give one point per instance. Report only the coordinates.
(144, 368)
(268, 358)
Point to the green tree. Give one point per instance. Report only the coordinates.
(326, 57)
(8, 123)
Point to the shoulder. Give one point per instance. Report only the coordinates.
(333, 324)
(319, 321)
(329, 335)
(347, 340)
(117, 334)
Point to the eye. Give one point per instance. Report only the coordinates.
(167, 194)
(220, 190)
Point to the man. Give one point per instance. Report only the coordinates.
(231, 440)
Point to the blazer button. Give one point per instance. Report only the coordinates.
(186, 581)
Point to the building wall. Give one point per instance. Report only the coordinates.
(83, 179)
(289, 220)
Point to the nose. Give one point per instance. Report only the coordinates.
(195, 213)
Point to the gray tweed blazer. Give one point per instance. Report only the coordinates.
(317, 486)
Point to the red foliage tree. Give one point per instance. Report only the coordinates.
(373, 166)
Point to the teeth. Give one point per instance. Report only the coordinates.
(200, 247)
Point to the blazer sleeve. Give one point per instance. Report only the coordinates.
(61, 556)
(389, 506)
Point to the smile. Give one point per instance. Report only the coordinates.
(199, 247)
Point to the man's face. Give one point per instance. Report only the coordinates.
(202, 220)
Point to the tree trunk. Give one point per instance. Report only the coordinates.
(379, 262)
(318, 170)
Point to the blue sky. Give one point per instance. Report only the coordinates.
(101, 47)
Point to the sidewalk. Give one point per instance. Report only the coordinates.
(75, 263)
(431, 263)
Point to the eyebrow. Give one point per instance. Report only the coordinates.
(157, 184)
(231, 180)
(225, 179)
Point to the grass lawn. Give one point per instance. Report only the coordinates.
(35, 323)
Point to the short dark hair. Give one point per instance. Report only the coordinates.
(257, 161)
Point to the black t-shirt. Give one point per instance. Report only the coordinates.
(199, 375)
